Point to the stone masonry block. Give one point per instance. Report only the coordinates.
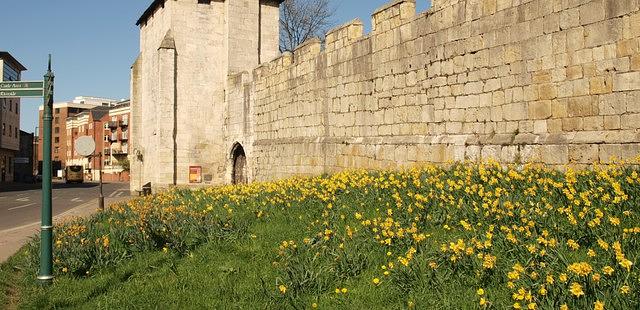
(615, 152)
(583, 154)
(592, 12)
(626, 81)
(604, 32)
(540, 109)
(630, 121)
(600, 85)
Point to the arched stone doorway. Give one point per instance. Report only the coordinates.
(238, 165)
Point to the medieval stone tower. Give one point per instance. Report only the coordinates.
(188, 51)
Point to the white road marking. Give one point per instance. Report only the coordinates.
(111, 195)
(23, 199)
(76, 199)
(119, 194)
(20, 207)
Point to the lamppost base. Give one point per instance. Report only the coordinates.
(101, 203)
(45, 280)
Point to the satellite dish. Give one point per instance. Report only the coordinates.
(85, 146)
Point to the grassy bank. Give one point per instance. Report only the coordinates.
(468, 236)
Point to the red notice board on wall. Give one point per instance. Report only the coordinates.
(195, 174)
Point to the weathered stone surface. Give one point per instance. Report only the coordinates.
(583, 154)
(545, 81)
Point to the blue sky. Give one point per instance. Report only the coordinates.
(95, 42)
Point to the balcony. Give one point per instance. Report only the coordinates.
(112, 125)
(124, 123)
(113, 137)
(125, 136)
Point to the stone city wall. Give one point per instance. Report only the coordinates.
(552, 81)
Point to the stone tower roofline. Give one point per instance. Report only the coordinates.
(160, 4)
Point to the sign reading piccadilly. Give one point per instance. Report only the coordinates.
(17, 89)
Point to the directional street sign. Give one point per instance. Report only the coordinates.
(19, 89)
(21, 93)
(14, 85)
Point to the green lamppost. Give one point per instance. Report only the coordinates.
(46, 229)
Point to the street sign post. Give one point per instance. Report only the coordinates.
(21, 89)
(46, 229)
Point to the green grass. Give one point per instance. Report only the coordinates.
(222, 248)
(217, 275)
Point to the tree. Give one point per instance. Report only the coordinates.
(301, 20)
(124, 163)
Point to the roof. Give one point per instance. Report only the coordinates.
(99, 112)
(16, 63)
(155, 5)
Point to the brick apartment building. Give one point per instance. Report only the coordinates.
(109, 127)
(117, 134)
(60, 135)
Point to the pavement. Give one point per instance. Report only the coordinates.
(20, 208)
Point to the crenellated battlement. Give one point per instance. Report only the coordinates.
(393, 15)
(538, 81)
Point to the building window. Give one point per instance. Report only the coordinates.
(17, 108)
(16, 130)
(204, 1)
(56, 120)
(55, 150)
(9, 73)
(57, 110)
(56, 130)
(4, 129)
(10, 105)
(56, 140)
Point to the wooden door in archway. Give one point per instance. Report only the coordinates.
(239, 175)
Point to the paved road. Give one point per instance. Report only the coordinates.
(20, 204)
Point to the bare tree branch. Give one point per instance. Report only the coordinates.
(301, 20)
